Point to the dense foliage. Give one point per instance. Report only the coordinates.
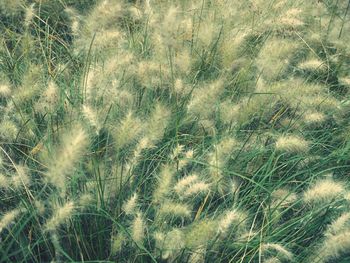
(174, 131)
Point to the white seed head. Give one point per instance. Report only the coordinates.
(171, 244)
(291, 144)
(340, 224)
(196, 189)
(334, 246)
(5, 91)
(8, 218)
(315, 65)
(173, 209)
(130, 206)
(91, 116)
(323, 191)
(183, 183)
(138, 229)
(282, 251)
(5, 182)
(61, 214)
(66, 156)
(29, 14)
(232, 218)
(165, 180)
(21, 178)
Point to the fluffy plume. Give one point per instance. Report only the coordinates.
(165, 181)
(204, 100)
(5, 182)
(29, 14)
(170, 244)
(61, 214)
(283, 197)
(8, 130)
(138, 229)
(5, 91)
(291, 144)
(219, 156)
(8, 218)
(334, 246)
(48, 101)
(92, 117)
(21, 178)
(275, 56)
(197, 188)
(201, 233)
(157, 123)
(340, 224)
(130, 206)
(281, 251)
(323, 191)
(231, 219)
(182, 184)
(66, 156)
(172, 209)
(127, 131)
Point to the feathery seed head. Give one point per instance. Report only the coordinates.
(313, 65)
(291, 144)
(85, 200)
(200, 233)
(21, 178)
(183, 62)
(282, 251)
(314, 117)
(61, 214)
(334, 246)
(66, 155)
(345, 81)
(233, 217)
(92, 117)
(8, 218)
(117, 242)
(165, 181)
(196, 189)
(5, 91)
(198, 255)
(177, 151)
(275, 56)
(228, 112)
(184, 183)
(204, 100)
(8, 130)
(5, 182)
(10, 7)
(130, 206)
(183, 162)
(138, 229)
(29, 14)
(157, 123)
(171, 244)
(272, 260)
(39, 207)
(127, 131)
(170, 209)
(323, 191)
(104, 16)
(340, 224)
(48, 101)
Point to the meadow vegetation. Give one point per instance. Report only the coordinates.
(175, 131)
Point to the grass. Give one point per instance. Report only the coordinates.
(174, 131)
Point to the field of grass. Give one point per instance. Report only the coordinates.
(175, 131)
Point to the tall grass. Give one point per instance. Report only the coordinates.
(174, 131)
